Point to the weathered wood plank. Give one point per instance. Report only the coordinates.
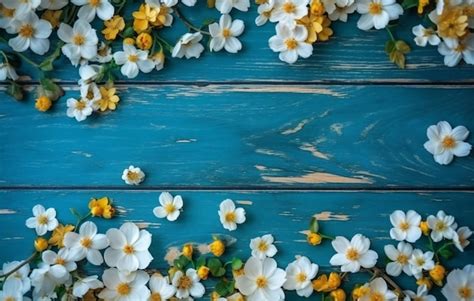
(352, 55)
(283, 214)
(244, 135)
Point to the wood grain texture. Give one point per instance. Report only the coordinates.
(223, 136)
(284, 214)
(351, 56)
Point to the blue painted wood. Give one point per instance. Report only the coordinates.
(241, 136)
(351, 55)
(283, 214)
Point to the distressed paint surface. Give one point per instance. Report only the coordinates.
(241, 136)
(284, 214)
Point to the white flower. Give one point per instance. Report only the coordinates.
(225, 6)
(299, 274)
(399, 257)
(87, 243)
(61, 263)
(351, 255)
(44, 279)
(7, 16)
(262, 280)
(379, 291)
(89, 8)
(263, 246)
(124, 286)
(82, 286)
(128, 249)
(290, 42)
(33, 33)
(377, 13)
(104, 54)
(188, 46)
(7, 71)
(133, 60)
(159, 60)
(230, 216)
(21, 274)
(264, 12)
(460, 284)
(133, 175)
(90, 92)
(42, 220)
(442, 226)
(53, 4)
(160, 288)
(461, 240)
(12, 290)
(188, 285)
(425, 35)
(420, 295)
(189, 3)
(287, 11)
(170, 207)
(21, 7)
(81, 41)
(420, 261)
(224, 34)
(79, 109)
(406, 226)
(445, 143)
(455, 50)
(341, 13)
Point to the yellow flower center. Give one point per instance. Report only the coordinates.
(261, 282)
(289, 8)
(60, 261)
(27, 31)
(6, 12)
(352, 254)
(440, 226)
(262, 246)
(43, 220)
(94, 3)
(460, 48)
(9, 299)
(133, 176)
(133, 58)
(155, 297)
(404, 226)
(226, 33)
(301, 277)
(465, 292)
(230, 217)
(170, 208)
(377, 297)
(185, 282)
(78, 39)
(123, 289)
(128, 249)
(448, 141)
(80, 105)
(291, 43)
(403, 259)
(420, 261)
(86, 242)
(375, 8)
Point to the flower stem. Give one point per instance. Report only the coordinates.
(326, 236)
(390, 34)
(25, 262)
(187, 23)
(80, 220)
(432, 249)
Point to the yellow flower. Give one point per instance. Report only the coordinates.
(325, 284)
(453, 22)
(338, 295)
(109, 212)
(421, 5)
(108, 99)
(129, 41)
(53, 17)
(43, 103)
(217, 247)
(58, 235)
(316, 8)
(425, 281)
(214, 296)
(425, 228)
(188, 250)
(101, 207)
(143, 17)
(113, 27)
(320, 283)
(437, 274)
(327, 31)
(203, 272)
(144, 41)
(161, 17)
(360, 292)
(41, 244)
(334, 281)
(317, 26)
(314, 238)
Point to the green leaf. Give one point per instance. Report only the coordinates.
(214, 265)
(237, 264)
(389, 46)
(314, 225)
(446, 252)
(47, 63)
(222, 288)
(181, 262)
(200, 262)
(406, 4)
(128, 32)
(50, 89)
(16, 91)
(75, 213)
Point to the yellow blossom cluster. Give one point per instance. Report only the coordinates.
(317, 23)
(102, 208)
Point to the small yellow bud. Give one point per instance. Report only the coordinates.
(144, 41)
(314, 238)
(188, 250)
(96, 211)
(425, 281)
(425, 228)
(217, 247)
(129, 41)
(338, 295)
(334, 281)
(203, 272)
(360, 292)
(41, 244)
(437, 274)
(321, 283)
(214, 296)
(43, 103)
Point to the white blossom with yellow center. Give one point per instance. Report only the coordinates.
(420, 262)
(379, 292)
(61, 263)
(133, 175)
(290, 43)
(354, 254)
(442, 226)
(377, 13)
(288, 11)
(133, 60)
(423, 36)
(406, 226)
(78, 109)
(299, 274)
(460, 284)
(188, 46)
(170, 206)
(225, 6)
(461, 240)
(263, 247)
(420, 295)
(90, 8)
(124, 286)
(230, 216)
(33, 33)
(83, 285)
(399, 257)
(12, 290)
(445, 142)
(21, 274)
(224, 34)
(42, 220)
(188, 284)
(81, 41)
(161, 290)
(454, 51)
(87, 243)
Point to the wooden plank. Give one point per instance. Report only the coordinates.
(283, 214)
(351, 55)
(241, 136)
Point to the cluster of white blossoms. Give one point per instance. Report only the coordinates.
(450, 26)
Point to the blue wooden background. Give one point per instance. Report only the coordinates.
(340, 133)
